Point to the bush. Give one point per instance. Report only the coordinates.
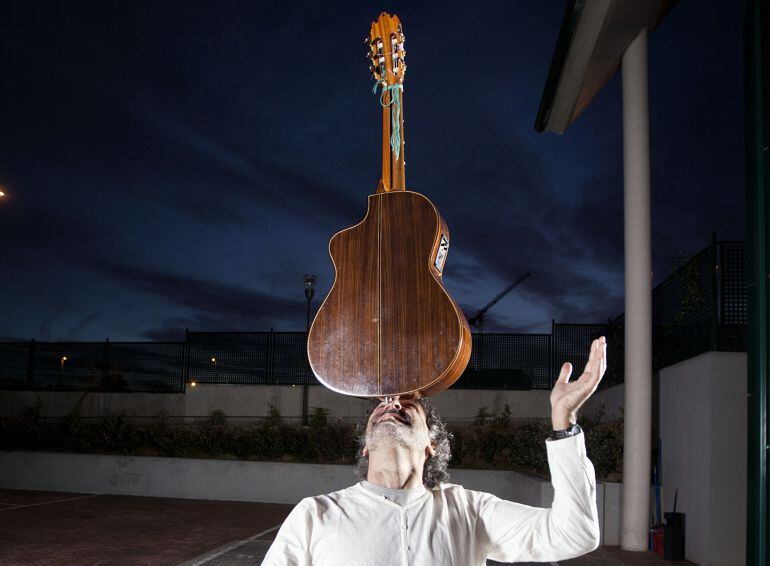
(604, 445)
(492, 441)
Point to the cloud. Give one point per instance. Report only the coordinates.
(80, 325)
(45, 327)
(508, 219)
(227, 178)
(28, 227)
(205, 304)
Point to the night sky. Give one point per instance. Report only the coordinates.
(182, 165)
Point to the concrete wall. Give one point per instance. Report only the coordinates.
(245, 400)
(234, 480)
(187, 478)
(703, 427)
(60, 403)
(608, 402)
(250, 401)
(701, 418)
(231, 480)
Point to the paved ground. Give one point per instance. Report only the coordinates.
(48, 528)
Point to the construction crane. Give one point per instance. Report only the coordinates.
(478, 318)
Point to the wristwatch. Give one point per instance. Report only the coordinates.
(567, 432)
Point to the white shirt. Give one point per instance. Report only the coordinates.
(446, 526)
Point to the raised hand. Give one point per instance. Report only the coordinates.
(568, 396)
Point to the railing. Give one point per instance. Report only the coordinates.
(92, 366)
(498, 361)
(700, 307)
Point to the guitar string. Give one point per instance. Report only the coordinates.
(392, 107)
(379, 294)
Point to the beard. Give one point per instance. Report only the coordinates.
(390, 432)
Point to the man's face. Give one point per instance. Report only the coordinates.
(397, 423)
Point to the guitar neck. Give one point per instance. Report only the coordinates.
(392, 145)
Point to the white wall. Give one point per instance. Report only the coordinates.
(703, 427)
(249, 401)
(702, 423)
(463, 404)
(230, 480)
(234, 480)
(243, 400)
(608, 402)
(61, 403)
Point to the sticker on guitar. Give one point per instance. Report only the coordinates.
(443, 248)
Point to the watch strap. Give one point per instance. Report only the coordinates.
(567, 432)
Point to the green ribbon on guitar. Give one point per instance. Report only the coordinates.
(395, 115)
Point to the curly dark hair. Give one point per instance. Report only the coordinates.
(435, 470)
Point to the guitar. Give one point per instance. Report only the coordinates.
(388, 327)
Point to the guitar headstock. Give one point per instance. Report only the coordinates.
(386, 50)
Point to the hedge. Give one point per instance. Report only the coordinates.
(490, 442)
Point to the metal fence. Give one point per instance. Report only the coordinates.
(700, 307)
(93, 366)
(498, 361)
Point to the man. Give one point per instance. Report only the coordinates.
(404, 513)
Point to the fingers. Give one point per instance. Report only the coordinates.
(602, 354)
(595, 368)
(597, 361)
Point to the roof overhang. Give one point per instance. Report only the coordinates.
(593, 37)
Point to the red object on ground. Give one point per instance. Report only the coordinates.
(657, 541)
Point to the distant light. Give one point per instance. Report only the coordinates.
(2, 194)
(294, 385)
(213, 360)
(193, 384)
(64, 358)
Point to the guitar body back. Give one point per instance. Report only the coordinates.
(388, 326)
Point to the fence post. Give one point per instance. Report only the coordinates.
(551, 362)
(550, 358)
(714, 293)
(31, 365)
(185, 361)
(269, 377)
(106, 362)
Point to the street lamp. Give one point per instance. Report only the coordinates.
(61, 370)
(310, 281)
(309, 292)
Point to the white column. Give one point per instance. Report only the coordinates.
(638, 315)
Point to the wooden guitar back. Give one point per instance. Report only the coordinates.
(388, 326)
